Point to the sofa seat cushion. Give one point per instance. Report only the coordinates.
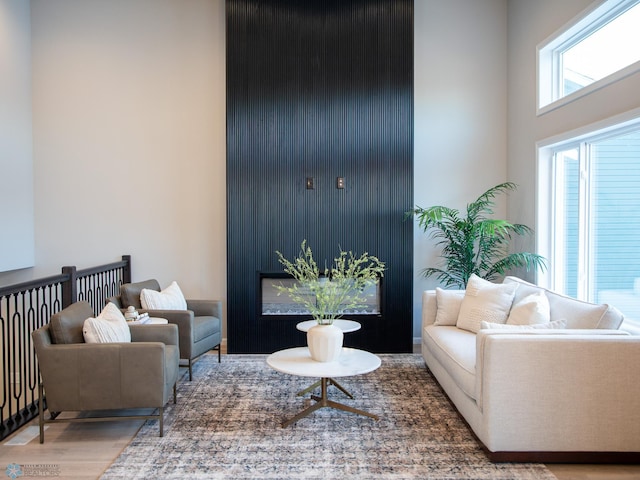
(204, 327)
(455, 349)
(578, 314)
(556, 324)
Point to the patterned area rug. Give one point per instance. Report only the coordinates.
(227, 425)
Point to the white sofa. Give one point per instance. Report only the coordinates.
(561, 395)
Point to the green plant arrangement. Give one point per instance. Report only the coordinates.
(475, 243)
(328, 293)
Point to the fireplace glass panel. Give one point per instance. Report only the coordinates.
(276, 303)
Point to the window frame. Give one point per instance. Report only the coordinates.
(547, 193)
(549, 55)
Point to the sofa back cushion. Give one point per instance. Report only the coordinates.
(66, 325)
(130, 292)
(577, 313)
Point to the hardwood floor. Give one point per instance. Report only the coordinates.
(85, 450)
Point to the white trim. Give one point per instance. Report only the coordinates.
(589, 89)
(580, 134)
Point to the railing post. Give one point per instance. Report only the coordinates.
(69, 287)
(126, 270)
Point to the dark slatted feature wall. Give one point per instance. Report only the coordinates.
(320, 90)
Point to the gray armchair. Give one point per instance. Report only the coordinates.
(82, 377)
(199, 327)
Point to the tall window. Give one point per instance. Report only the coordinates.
(590, 191)
(600, 47)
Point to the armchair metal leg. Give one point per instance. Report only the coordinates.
(161, 413)
(219, 353)
(41, 411)
(190, 370)
(175, 393)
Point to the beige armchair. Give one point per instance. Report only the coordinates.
(199, 327)
(85, 377)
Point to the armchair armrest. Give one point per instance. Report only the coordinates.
(182, 318)
(103, 376)
(212, 308)
(167, 334)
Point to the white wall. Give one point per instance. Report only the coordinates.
(529, 24)
(16, 162)
(460, 112)
(129, 138)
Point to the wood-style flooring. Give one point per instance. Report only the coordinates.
(85, 451)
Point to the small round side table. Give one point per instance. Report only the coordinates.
(346, 326)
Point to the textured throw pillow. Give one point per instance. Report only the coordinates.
(532, 309)
(562, 323)
(171, 298)
(448, 302)
(108, 327)
(485, 301)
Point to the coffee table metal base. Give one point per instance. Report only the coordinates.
(322, 401)
(330, 381)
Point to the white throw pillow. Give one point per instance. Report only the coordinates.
(532, 309)
(108, 327)
(486, 301)
(562, 323)
(171, 298)
(448, 306)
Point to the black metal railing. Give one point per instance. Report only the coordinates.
(26, 307)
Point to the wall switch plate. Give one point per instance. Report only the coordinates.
(309, 183)
(340, 182)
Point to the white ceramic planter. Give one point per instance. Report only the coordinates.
(325, 342)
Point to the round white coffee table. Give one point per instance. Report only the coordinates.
(298, 361)
(346, 326)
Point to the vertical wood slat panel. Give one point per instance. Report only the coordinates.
(318, 89)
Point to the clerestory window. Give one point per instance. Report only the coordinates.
(600, 47)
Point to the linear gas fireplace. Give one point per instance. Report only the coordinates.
(274, 303)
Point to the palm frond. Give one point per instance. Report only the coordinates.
(474, 243)
(529, 261)
(485, 202)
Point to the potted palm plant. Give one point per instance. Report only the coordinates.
(473, 242)
(328, 293)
